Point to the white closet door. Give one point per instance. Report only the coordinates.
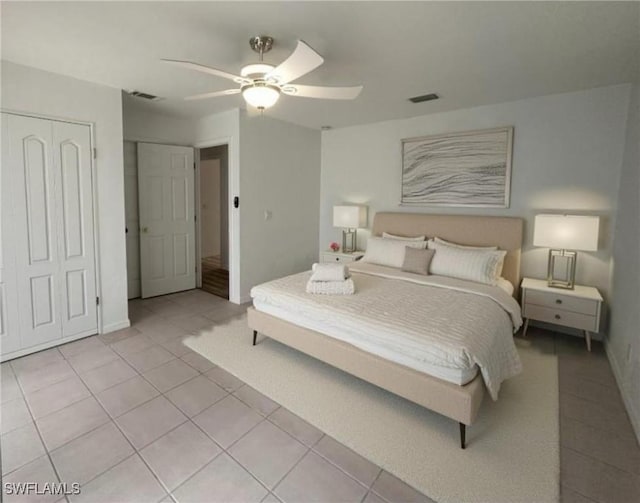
(167, 222)
(9, 332)
(34, 231)
(47, 265)
(72, 148)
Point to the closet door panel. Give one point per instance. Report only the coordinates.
(42, 300)
(35, 238)
(72, 144)
(7, 342)
(38, 179)
(73, 225)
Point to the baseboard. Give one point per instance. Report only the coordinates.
(112, 327)
(46, 345)
(634, 415)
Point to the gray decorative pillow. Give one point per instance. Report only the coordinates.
(417, 261)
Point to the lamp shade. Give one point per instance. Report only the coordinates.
(567, 232)
(349, 217)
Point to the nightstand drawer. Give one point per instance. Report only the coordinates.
(560, 317)
(562, 302)
(336, 258)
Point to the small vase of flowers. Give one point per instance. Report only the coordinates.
(334, 246)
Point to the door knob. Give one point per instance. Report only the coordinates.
(144, 230)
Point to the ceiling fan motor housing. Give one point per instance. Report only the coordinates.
(261, 44)
(256, 70)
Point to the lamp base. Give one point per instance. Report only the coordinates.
(563, 261)
(349, 240)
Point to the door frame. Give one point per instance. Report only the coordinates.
(96, 227)
(233, 189)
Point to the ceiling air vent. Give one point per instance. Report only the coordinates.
(424, 97)
(145, 96)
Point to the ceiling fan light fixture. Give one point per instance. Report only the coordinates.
(261, 95)
(261, 84)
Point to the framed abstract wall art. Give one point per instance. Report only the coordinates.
(470, 169)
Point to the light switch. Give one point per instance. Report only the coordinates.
(267, 214)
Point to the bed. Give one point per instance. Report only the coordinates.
(455, 391)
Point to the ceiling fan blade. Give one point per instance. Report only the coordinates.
(301, 61)
(326, 93)
(214, 94)
(205, 69)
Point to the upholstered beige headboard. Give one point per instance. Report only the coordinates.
(503, 232)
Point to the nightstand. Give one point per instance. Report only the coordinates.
(578, 308)
(327, 257)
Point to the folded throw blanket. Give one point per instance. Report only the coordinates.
(346, 287)
(329, 272)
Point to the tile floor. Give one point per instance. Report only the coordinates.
(136, 416)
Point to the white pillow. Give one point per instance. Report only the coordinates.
(505, 285)
(389, 252)
(481, 266)
(464, 247)
(386, 235)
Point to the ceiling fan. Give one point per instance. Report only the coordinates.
(261, 83)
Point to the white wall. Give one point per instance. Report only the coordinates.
(132, 217)
(26, 89)
(280, 174)
(623, 341)
(145, 126)
(272, 166)
(567, 157)
(210, 218)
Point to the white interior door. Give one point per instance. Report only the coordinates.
(72, 149)
(167, 218)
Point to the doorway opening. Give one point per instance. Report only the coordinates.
(214, 220)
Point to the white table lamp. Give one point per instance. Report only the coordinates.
(564, 234)
(349, 218)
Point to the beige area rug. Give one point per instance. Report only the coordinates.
(512, 450)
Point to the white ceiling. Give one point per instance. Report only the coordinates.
(470, 53)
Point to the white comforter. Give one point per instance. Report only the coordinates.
(443, 321)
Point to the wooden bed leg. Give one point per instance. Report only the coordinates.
(463, 431)
(255, 334)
